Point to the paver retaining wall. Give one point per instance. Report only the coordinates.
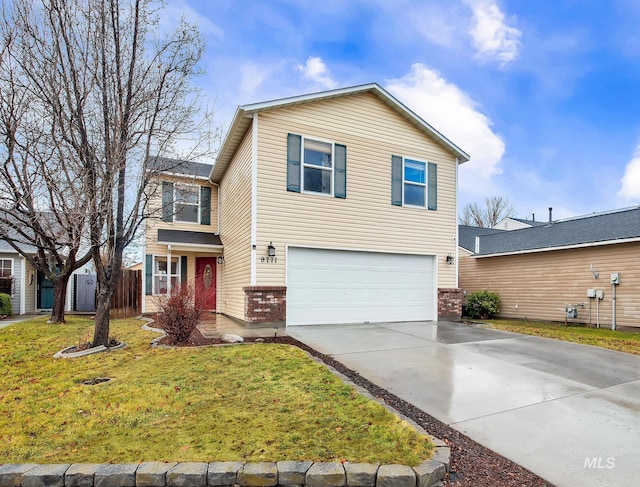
(197, 474)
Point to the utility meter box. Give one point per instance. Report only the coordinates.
(615, 278)
(591, 293)
(600, 294)
(571, 311)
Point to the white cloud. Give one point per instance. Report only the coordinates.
(453, 113)
(630, 182)
(315, 70)
(493, 39)
(178, 9)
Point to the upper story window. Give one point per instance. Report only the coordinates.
(186, 198)
(315, 166)
(6, 267)
(414, 183)
(183, 202)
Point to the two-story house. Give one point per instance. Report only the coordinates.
(332, 207)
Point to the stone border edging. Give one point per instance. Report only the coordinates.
(223, 474)
(100, 348)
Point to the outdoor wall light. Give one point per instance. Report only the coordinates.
(450, 259)
(271, 250)
(221, 259)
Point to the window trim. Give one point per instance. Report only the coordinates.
(424, 185)
(303, 164)
(198, 191)
(154, 275)
(2, 260)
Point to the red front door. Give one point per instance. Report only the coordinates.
(206, 283)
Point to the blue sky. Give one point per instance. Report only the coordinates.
(544, 95)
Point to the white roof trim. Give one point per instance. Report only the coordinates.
(241, 121)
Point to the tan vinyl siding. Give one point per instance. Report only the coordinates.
(155, 223)
(541, 284)
(235, 231)
(366, 219)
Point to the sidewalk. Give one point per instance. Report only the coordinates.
(17, 319)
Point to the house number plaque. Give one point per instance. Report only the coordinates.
(269, 260)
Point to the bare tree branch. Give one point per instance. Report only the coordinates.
(495, 208)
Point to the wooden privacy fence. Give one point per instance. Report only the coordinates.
(127, 299)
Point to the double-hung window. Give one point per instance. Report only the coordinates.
(166, 274)
(183, 202)
(316, 166)
(6, 267)
(186, 199)
(415, 183)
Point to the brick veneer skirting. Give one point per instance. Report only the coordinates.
(265, 304)
(450, 304)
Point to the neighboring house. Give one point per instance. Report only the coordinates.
(541, 271)
(333, 207)
(511, 223)
(31, 292)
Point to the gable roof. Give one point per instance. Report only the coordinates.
(242, 121)
(610, 227)
(179, 167)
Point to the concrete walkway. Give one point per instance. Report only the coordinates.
(570, 413)
(17, 319)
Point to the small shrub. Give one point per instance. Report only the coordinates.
(482, 304)
(5, 305)
(178, 314)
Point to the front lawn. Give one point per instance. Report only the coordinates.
(252, 402)
(600, 337)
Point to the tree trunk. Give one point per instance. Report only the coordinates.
(59, 297)
(103, 309)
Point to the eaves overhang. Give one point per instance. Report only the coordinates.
(244, 116)
(560, 247)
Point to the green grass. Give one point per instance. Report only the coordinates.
(253, 402)
(600, 337)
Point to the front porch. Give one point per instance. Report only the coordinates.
(214, 325)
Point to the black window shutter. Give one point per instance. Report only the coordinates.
(183, 269)
(340, 189)
(432, 186)
(294, 150)
(205, 205)
(148, 275)
(396, 180)
(167, 201)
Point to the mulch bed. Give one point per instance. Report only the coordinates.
(471, 463)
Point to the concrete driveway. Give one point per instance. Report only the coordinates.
(569, 413)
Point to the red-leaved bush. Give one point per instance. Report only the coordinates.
(178, 314)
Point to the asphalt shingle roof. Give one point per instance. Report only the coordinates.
(177, 166)
(601, 227)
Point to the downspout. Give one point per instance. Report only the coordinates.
(613, 306)
(457, 226)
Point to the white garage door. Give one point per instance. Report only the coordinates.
(335, 286)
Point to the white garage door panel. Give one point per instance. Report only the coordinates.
(334, 286)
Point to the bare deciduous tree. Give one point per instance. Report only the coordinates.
(495, 209)
(121, 93)
(43, 208)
